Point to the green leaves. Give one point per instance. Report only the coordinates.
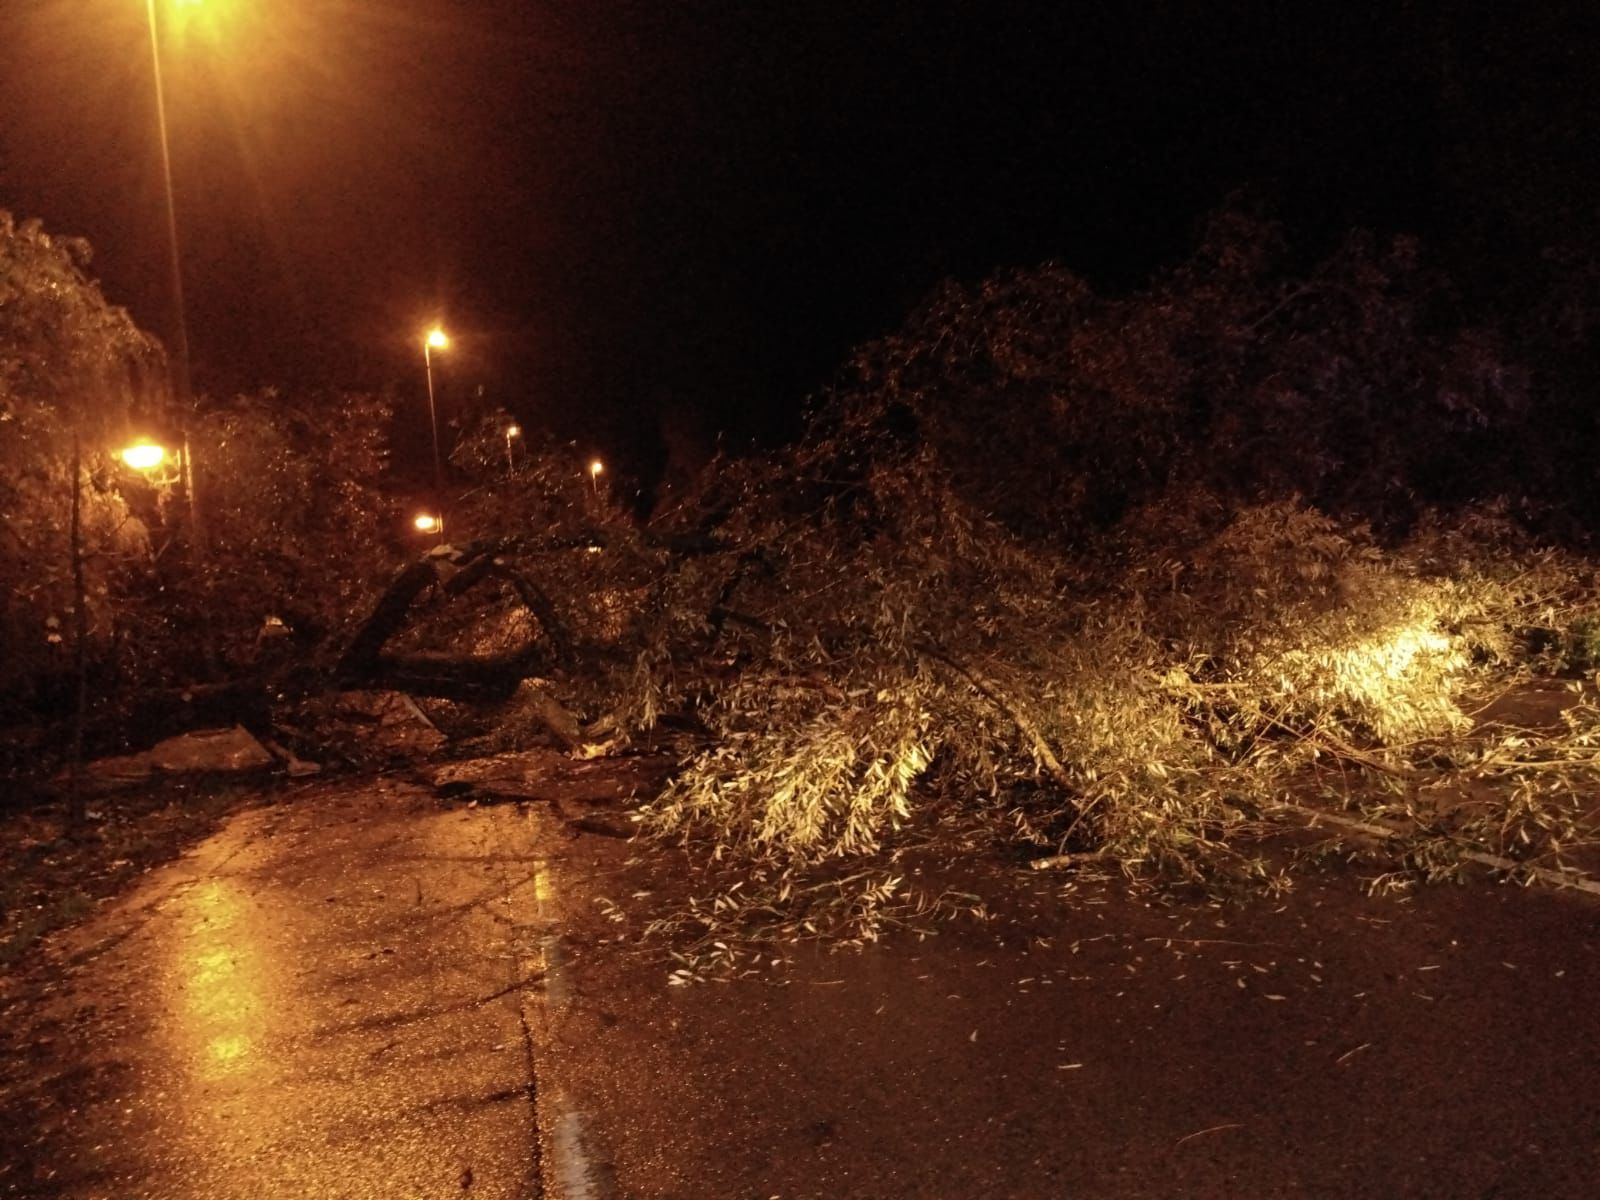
(71, 368)
(62, 346)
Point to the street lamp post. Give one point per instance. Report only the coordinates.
(180, 333)
(145, 456)
(180, 320)
(512, 431)
(595, 468)
(435, 340)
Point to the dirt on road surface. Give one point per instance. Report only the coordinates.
(382, 989)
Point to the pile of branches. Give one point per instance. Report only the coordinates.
(1117, 577)
(1138, 702)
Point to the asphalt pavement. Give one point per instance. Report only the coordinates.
(1086, 1040)
(323, 1000)
(371, 991)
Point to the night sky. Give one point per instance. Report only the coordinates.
(676, 212)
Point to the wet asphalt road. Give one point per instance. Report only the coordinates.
(1088, 1043)
(373, 993)
(324, 1000)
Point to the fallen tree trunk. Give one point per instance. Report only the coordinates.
(467, 679)
(361, 656)
(454, 573)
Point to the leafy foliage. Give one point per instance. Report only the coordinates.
(299, 517)
(72, 367)
(1356, 386)
(295, 525)
(1112, 570)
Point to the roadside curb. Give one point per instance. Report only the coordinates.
(568, 1169)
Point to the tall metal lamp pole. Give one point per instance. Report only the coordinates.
(436, 340)
(180, 333)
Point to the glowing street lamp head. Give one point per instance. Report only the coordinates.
(595, 468)
(436, 339)
(144, 455)
(513, 431)
(426, 523)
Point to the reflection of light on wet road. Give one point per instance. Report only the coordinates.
(221, 975)
(549, 965)
(320, 1003)
(226, 1050)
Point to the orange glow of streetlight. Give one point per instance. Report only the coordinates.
(211, 18)
(426, 523)
(144, 455)
(595, 468)
(437, 339)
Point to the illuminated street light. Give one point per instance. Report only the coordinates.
(594, 475)
(428, 523)
(435, 339)
(144, 455)
(512, 431)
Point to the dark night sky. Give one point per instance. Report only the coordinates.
(628, 208)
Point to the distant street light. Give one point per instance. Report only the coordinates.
(512, 431)
(594, 475)
(435, 340)
(428, 523)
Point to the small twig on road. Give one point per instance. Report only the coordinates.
(1202, 1132)
(1349, 1054)
(1053, 862)
(1567, 877)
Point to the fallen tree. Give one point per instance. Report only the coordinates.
(452, 572)
(1040, 562)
